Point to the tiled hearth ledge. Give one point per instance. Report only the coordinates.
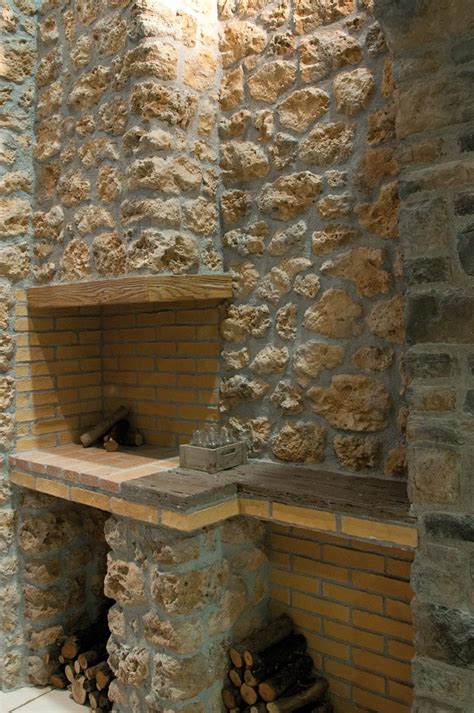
(147, 485)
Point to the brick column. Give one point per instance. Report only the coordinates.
(432, 46)
(180, 600)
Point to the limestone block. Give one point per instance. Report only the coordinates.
(109, 183)
(386, 319)
(288, 238)
(244, 278)
(299, 442)
(6, 303)
(290, 195)
(110, 35)
(326, 52)
(17, 60)
(109, 254)
(245, 320)
(96, 150)
(332, 237)
(311, 358)
(113, 116)
(91, 217)
(363, 266)
(6, 392)
(328, 144)
(381, 125)
(89, 88)
(42, 571)
(243, 161)
(235, 125)
(132, 666)
(302, 107)
(355, 403)
(288, 397)
(381, 216)
(239, 39)
(239, 389)
(270, 360)
(286, 321)
(374, 166)
(314, 13)
(250, 241)
(184, 592)
(200, 216)
(236, 360)
(355, 452)
(7, 526)
(43, 604)
(231, 605)
(333, 207)
(353, 91)
(184, 637)
(200, 70)
(173, 176)
(81, 53)
(335, 315)
(164, 252)
(395, 464)
(267, 83)
(151, 57)
(307, 285)
(124, 582)
(15, 181)
(232, 89)
(7, 347)
(164, 212)
(15, 215)
(73, 187)
(15, 261)
(279, 280)
(373, 358)
(256, 431)
(150, 100)
(180, 679)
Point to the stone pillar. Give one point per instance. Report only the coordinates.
(432, 46)
(180, 600)
(62, 567)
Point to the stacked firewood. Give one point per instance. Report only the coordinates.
(272, 673)
(82, 668)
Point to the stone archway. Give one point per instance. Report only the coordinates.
(432, 47)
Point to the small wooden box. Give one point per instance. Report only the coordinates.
(213, 460)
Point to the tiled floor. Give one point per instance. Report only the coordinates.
(38, 700)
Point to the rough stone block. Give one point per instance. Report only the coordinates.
(444, 634)
(446, 317)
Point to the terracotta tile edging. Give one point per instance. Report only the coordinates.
(320, 520)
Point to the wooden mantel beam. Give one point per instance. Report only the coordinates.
(131, 290)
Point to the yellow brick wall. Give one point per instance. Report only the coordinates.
(352, 601)
(163, 364)
(75, 365)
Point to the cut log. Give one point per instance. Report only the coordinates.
(78, 691)
(231, 697)
(259, 708)
(101, 429)
(91, 673)
(58, 680)
(236, 654)
(236, 676)
(250, 679)
(277, 630)
(277, 656)
(313, 694)
(69, 672)
(103, 679)
(275, 686)
(249, 694)
(91, 657)
(110, 444)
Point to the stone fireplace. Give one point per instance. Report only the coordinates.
(260, 214)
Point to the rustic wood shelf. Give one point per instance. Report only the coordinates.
(131, 290)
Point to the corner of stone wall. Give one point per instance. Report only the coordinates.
(180, 601)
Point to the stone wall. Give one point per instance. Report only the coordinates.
(62, 567)
(18, 48)
(309, 202)
(180, 601)
(125, 139)
(352, 602)
(433, 66)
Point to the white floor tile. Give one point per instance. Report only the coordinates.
(53, 702)
(13, 699)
